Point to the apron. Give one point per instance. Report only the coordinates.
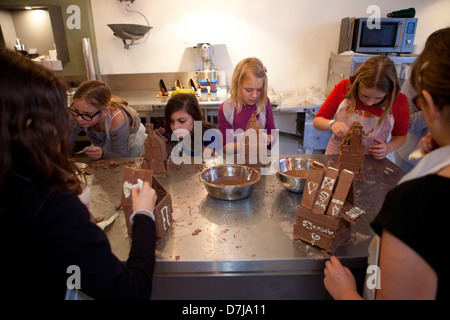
(370, 127)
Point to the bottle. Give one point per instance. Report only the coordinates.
(213, 85)
(405, 13)
(213, 95)
(204, 95)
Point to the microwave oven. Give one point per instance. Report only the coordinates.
(394, 35)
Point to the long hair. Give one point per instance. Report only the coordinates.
(244, 68)
(97, 94)
(431, 70)
(189, 103)
(34, 123)
(377, 72)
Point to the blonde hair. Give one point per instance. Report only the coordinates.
(245, 67)
(377, 72)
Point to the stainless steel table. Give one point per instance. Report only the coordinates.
(245, 249)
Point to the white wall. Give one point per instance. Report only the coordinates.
(293, 38)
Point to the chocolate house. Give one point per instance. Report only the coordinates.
(134, 178)
(351, 151)
(249, 148)
(156, 155)
(326, 213)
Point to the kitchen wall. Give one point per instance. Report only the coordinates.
(74, 69)
(293, 38)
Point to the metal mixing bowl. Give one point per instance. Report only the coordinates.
(229, 192)
(294, 184)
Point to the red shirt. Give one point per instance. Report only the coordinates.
(400, 109)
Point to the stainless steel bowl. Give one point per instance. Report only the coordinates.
(231, 191)
(294, 184)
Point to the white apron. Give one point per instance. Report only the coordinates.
(370, 126)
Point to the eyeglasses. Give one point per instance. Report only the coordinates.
(83, 116)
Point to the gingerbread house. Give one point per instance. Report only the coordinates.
(156, 157)
(326, 212)
(351, 151)
(134, 178)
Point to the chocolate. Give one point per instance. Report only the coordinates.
(326, 190)
(320, 230)
(163, 207)
(351, 150)
(344, 185)
(327, 231)
(249, 148)
(352, 213)
(156, 157)
(313, 183)
(302, 173)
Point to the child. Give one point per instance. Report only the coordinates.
(410, 258)
(39, 189)
(114, 128)
(180, 115)
(248, 96)
(371, 97)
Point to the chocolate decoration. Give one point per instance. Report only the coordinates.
(351, 151)
(327, 231)
(249, 149)
(343, 187)
(326, 191)
(156, 155)
(163, 207)
(313, 183)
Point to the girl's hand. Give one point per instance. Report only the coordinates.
(427, 144)
(339, 129)
(208, 153)
(94, 153)
(379, 150)
(339, 280)
(144, 199)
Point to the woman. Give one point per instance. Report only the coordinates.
(46, 230)
(414, 219)
(371, 97)
(114, 128)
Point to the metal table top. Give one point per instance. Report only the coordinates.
(249, 235)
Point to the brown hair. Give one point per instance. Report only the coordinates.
(189, 103)
(97, 94)
(245, 67)
(431, 70)
(377, 72)
(34, 121)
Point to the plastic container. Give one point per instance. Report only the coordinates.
(204, 95)
(213, 94)
(213, 85)
(204, 85)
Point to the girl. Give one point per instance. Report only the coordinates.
(248, 96)
(114, 128)
(46, 227)
(371, 97)
(411, 266)
(181, 113)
